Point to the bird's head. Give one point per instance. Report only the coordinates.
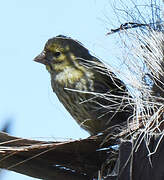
(62, 57)
(61, 52)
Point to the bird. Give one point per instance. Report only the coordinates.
(87, 88)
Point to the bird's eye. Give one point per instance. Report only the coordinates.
(57, 54)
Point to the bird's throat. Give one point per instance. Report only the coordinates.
(68, 76)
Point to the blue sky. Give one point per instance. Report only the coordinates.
(26, 93)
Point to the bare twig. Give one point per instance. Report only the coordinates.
(128, 25)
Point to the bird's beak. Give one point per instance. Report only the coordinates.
(41, 58)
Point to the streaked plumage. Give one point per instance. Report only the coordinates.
(91, 93)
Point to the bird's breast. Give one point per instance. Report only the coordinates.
(74, 78)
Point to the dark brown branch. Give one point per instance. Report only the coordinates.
(69, 160)
(128, 25)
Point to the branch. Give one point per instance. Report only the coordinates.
(69, 160)
(128, 25)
